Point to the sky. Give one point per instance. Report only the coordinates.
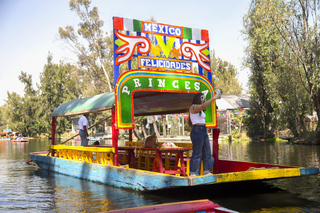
(29, 31)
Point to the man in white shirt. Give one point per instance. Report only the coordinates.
(83, 129)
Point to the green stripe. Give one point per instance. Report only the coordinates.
(137, 25)
(187, 33)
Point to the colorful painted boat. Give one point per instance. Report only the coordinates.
(4, 136)
(181, 207)
(159, 90)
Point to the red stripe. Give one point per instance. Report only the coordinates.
(204, 35)
(117, 23)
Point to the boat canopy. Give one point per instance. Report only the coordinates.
(145, 103)
(91, 104)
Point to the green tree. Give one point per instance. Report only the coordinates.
(14, 110)
(225, 76)
(3, 117)
(278, 99)
(261, 59)
(21, 111)
(300, 31)
(92, 46)
(58, 84)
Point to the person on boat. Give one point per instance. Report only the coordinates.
(211, 165)
(19, 136)
(199, 135)
(83, 129)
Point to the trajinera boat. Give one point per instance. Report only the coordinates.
(6, 135)
(173, 64)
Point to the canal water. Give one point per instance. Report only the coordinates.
(26, 188)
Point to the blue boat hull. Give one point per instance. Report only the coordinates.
(112, 175)
(145, 180)
(5, 139)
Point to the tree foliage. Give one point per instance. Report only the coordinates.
(225, 76)
(58, 84)
(93, 74)
(92, 46)
(30, 113)
(21, 111)
(279, 98)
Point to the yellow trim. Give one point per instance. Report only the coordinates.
(82, 148)
(258, 174)
(99, 155)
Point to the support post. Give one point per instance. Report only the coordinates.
(215, 149)
(130, 134)
(115, 136)
(53, 133)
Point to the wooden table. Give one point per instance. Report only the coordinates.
(158, 164)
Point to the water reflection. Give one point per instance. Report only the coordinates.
(27, 188)
(271, 152)
(81, 195)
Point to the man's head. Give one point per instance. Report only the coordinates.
(86, 114)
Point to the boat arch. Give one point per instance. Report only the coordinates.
(151, 92)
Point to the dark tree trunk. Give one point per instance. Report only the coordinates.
(136, 133)
(144, 130)
(155, 127)
(164, 126)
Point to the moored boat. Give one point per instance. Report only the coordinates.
(5, 135)
(20, 139)
(165, 88)
(181, 207)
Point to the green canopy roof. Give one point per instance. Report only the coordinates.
(91, 104)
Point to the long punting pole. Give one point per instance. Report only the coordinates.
(53, 132)
(215, 149)
(115, 135)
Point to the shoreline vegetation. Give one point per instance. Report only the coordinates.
(279, 100)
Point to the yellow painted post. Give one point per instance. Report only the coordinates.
(188, 167)
(125, 161)
(201, 168)
(147, 161)
(167, 162)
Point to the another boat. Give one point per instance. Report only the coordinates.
(20, 139)
(167, 87)
(187, 207)
(6, 135)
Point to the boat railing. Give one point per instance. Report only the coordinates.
(104, 155)
(145, 157)
(99, 155)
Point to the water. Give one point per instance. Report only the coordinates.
(26, 188)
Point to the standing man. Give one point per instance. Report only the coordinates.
(83, 129)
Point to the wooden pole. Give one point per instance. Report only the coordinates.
(130, 134)
(215, 149)
(53, 133)
(115, 135)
